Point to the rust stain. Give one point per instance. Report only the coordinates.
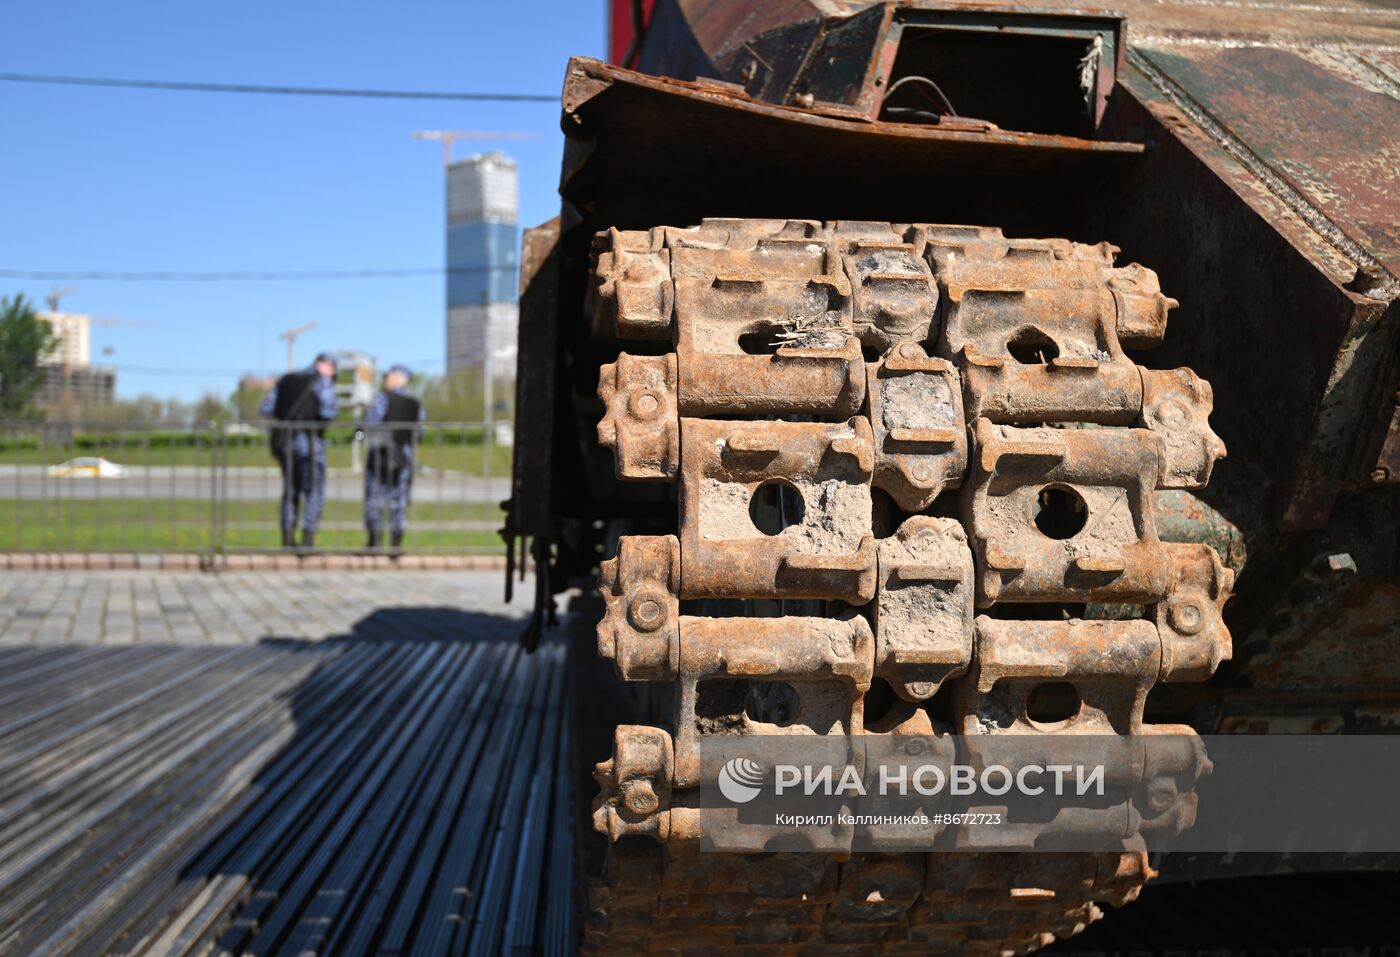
(1326, 133)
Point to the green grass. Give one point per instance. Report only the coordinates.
(448, 452)
(186, 525)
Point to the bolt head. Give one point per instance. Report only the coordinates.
(647, 612)
(1187, 617)
(1174, 414)
(920, 689)
(639, 797)
(645, 404)
(1380, 475)
(1161, 795)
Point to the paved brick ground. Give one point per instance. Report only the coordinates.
(116, 607)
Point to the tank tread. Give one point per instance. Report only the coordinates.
(827, 383)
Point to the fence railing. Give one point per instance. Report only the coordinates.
(218, 489)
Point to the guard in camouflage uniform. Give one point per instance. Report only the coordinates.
(389, 463)
(306, 396)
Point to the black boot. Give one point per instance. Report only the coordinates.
(396, 542)
(308, 540)
(374, 538)
(287, 540)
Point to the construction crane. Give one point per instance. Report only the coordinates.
(448, 137)
(110, 321)
(290, 336)
(71, 325)
(56, 295)
(114, 321)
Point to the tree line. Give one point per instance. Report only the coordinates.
(25, 340)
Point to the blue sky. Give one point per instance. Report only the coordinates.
(133, 180)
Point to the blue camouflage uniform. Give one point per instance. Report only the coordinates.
(394, 485)
(304, 469)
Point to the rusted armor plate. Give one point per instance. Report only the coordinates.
(923, 608)
(642, 424)
(760, 313)
(1194, 637)
(1064, 515)
(820, 547)
(640, 628)
(1036, 327)
(916, 416)
(1176, 406)
(815, 672)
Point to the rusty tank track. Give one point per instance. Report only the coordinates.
(814, 364)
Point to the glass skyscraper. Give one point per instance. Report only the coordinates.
(483, 261)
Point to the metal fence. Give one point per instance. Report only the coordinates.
(217, 489)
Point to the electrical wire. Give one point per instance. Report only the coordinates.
(199, 87)
(192, 373)
(162, 370)
(927, 82)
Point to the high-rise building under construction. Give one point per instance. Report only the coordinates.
(483, 264)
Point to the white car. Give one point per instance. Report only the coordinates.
(88, 466)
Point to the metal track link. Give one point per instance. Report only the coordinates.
(813, 365)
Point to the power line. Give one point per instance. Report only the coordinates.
(162, 370)
(179, 371)
(195, 87)
(246, 275)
